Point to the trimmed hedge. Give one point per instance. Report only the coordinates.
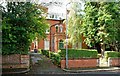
(45, 52)
(72, 54)
(55, 57)
(112, 54)
(80, 53)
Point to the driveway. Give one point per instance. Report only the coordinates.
(43, 65)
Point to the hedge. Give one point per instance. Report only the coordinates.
(79, 53)
(55, 57)
(112, 54)
(72, 53)
(45, 52)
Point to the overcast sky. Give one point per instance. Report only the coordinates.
(55, 8)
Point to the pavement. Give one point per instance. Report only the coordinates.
(111, 69)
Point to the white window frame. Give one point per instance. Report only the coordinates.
(61, 28)
(47, 31)
(46, 44)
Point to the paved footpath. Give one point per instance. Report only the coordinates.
(43, 65)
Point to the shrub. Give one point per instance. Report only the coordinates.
(45, 52)
(55, 57)
(112, 54)
(80, 53)
(39, 51)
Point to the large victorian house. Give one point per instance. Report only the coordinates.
(56, 33)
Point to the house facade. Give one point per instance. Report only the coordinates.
(56, 33)
(55, 37)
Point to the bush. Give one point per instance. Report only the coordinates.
(39, 51)
(112, 54)
(55, 57)
(80, 53)
(45, 52)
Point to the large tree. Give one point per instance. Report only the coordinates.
(22, 22)
(100, 23)
(74, 24)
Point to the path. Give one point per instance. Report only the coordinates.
(43, 65)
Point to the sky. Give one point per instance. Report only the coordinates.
(55, 8)
(62, 8)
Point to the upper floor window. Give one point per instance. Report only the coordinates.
(47, 31)
(61, 28)
(56, 26)
(52, 16)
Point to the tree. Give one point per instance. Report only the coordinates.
(100, 23)
(22, 22)
(74, 24)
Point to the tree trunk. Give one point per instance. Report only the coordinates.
(102, 49)
(98, 47)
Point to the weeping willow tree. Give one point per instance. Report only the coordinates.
(74, 25)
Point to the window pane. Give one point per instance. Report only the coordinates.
(46, 45)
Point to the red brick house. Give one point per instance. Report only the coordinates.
(55, 37)
(56, 34)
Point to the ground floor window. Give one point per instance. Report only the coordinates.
(46, 44)
(61, 44)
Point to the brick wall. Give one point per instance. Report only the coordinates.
(80, 63)
(11, 58)
(15, 61)
(32, 46)
(41, 44)
(52, 22)
(114, 61)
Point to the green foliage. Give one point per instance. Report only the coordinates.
(39, 51)
(76, 53)
(101, 22)
(112, 54)
(45, 52)
(74, 24)
(22, 22)
(55, 57)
